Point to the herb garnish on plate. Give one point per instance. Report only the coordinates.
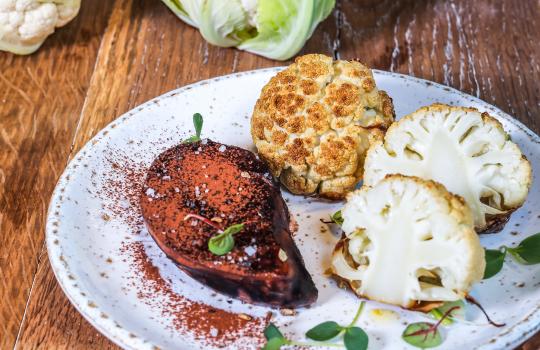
(527, 253)
(354, 338)
(223, 242)
(198, 123)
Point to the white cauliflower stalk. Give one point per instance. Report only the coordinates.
(25, 24)
(408, 241)
(465, 150)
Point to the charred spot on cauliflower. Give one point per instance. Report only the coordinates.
(314, 122)
(408, 241)
(467, 151)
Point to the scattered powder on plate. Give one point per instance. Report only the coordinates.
(209, 325)
(122, 186)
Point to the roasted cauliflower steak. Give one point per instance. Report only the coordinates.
(408, 241)
(465, 150)
(314, 122)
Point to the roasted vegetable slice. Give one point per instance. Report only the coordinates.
(408, 241)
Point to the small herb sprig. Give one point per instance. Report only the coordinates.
(198, 124)
(223, 242)
(425, 334)
(335, 218)
(527, 253)
(458, 313)
(354, 338)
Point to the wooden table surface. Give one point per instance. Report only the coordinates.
(120, 53)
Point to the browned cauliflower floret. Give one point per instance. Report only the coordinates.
(408, 242)
(314, 122)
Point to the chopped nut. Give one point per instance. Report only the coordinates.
(282, 255)
(245, 317)
(245, 174)
(216, 219)
(287, 312)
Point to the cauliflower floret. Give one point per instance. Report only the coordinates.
(314, 122)
(25, 24)
(467, 151)
(408, 241)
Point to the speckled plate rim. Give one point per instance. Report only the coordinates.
(512, 337)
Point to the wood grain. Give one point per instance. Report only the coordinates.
(132, 74)
(40, 103)
(485, 48)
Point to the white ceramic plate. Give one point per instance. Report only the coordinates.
(93, 220)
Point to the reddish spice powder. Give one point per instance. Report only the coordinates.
(218, 182)
(121, 187)
(209, 325)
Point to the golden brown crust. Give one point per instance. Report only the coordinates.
(495, 223)
(314, 121)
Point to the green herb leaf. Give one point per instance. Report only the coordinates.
(422, 335)
(271, 331)
(494, 262)
(355, 339)
(324, 331)
(231, 230)
(337, 218)
(528, 251)
(223, 243)
(198, 124)
(275, 344)
(457, 313)
(275, 338)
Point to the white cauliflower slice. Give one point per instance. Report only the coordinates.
(408, 241)
(25, 24)
(465, 150)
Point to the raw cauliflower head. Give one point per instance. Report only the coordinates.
(314, 122)
(408, 241)
(465, 150)
(25, 24)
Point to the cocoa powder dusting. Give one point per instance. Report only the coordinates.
(208, 325)
(122, 185)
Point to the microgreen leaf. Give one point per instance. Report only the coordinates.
(355, 339)
(198, 124)
(494, 262)
(231, 230)
(458, 311)
(324, 331)
(271, 332)
(422, 335)
(275, 344)
(223, 243)
(337, 218)
(528, 251)
(275, 338)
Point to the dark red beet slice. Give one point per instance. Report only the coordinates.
(229, 185)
